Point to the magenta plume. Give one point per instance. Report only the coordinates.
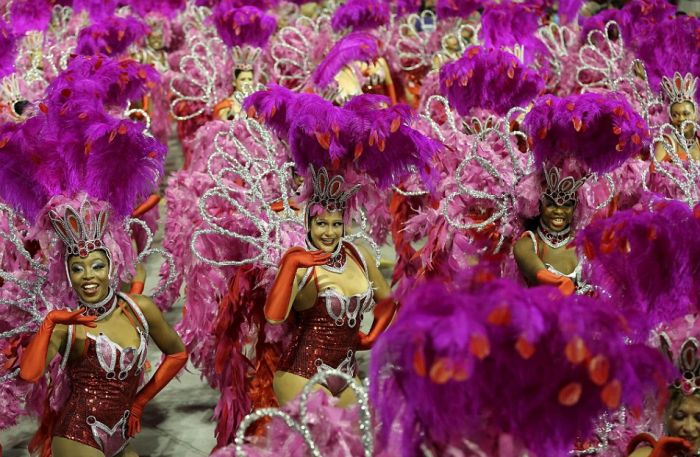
(246, 25)
(358, 15)
(600, 131)
(358, 46)
(489, 79)
(8, 49)
(111, 36)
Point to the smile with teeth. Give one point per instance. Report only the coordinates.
(90, 287)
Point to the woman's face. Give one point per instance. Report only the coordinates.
(89, 276)
(326, 230)
(684, 111)
(684, 421)
(244, 78)
(556, 218)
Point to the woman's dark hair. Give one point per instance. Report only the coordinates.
(20, 106)
(237, 72)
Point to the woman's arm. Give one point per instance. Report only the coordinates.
(526, 258)
(386, 307)
(381, 287)
(162, 333)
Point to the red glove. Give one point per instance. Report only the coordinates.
(277, 304)
(384, 313)
(669, 446)
(33, 360)
(136, 287)
(566, 285)
(164, 374)
(666, 446)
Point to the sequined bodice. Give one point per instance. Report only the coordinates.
(104, 382)
(327, 333)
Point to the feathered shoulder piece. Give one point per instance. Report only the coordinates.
(600, 131)
(361, 15)
(489, 79)
(244, 25)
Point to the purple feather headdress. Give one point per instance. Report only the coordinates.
(361, 15)
(97, 9)
(73, 145)
(111, 36)
(404, 7)
(665, 53)
(8, 49)
(357, 46)
(167, 8)
(27, 15)
(489, 79)
(507, 24)
(457, 8)
(366, 133)
(647, 262)
(600, 131)
(246, 25)
(482, 360)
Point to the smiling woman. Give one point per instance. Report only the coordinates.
(545, 255)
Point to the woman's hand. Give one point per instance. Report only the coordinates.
(71, 318)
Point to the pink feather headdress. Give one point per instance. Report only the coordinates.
(367, 133)
(361, 15)
(111, 36)
(356, 47)
(8, 49)
(489, 79)
(482, 361)
(245, 25)
(600, 131)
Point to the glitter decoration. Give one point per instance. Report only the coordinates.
(301, 427)
(148, 251)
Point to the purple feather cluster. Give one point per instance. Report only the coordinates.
(27, 15)
(598, 21)
(481, 361)
(647, 262)
(97, 9)
(506, 24)
(110, 36)
(357, 46)
(74, 145)
(404, 7)
(245, 25)
(600, 131)
(488, 79)
(366, 133)
(664, 53)
(8, 49)
(457, 8)
(168, 8)
(361, 15)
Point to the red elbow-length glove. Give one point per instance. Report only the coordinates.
(277, 304)
(33, 361)
(565, 285)
(666, 446)
(164, 374)
(384, 313)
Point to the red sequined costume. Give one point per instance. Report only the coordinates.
(104, 383)
(327, 334)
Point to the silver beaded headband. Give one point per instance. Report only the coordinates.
(561, 190)
(680, 89)
(688, 363)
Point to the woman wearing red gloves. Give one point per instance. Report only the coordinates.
(103, 343)
(329, 285)
(544, 256)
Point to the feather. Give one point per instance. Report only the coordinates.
(457, 8)
(8, 49)
(360, 15)
(600, 132)
(110, 36)
(246, 25)
(27, 15)
(488, 79)
(357, 46)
